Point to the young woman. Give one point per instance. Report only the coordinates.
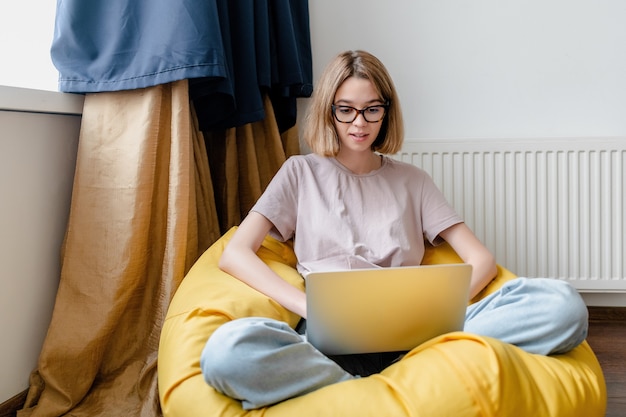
(348, 205)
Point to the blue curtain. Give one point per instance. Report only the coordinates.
(232, 51)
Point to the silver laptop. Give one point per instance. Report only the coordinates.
(385, 309)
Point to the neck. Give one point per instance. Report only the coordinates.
(362, 163)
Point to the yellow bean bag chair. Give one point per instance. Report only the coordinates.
(458, 374)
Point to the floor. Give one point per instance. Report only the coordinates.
(607, 338)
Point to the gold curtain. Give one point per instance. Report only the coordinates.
(143, 209)
(244, 160)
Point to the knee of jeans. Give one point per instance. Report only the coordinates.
(223, 349)
(216, 355)
(237, 345)
(571, 311)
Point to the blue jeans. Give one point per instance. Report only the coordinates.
(263, 361)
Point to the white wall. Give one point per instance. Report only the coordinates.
(490, 68)
(26, 29)
(38, 144)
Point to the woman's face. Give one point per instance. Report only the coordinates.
(358, 135)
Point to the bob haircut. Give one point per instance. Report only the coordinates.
(319, 125)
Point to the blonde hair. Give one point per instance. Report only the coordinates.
(319, 127)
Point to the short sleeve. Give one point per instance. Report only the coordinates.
(279, 201)
(437, 213)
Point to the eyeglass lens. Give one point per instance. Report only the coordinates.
(347, 114)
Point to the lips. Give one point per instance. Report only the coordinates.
(359, 136)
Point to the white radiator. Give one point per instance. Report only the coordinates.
(546, 208)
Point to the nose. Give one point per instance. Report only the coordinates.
(360, 119)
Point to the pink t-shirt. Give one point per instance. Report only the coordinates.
(342, 220)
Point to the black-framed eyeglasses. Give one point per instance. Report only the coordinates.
(371, 114)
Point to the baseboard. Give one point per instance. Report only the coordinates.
(604, 299)
(9, 407)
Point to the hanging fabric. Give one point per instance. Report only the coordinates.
(112, 45)
(144, 203)
(141, 214)
(148, 196)
(234, 52)
(269, 52)
(143, 209)
(243, 160)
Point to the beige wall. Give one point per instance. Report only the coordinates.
(38, 143)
